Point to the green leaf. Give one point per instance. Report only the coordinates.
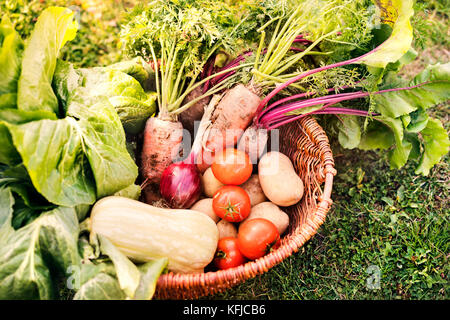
(63, 156)
(123, 91)
(53, 153)
(418, 121)
(20, 116)
(397, 14)
(349, 131)
(376, 136)
(436, 145)
(132, 191)
(11, 48)
(54, 27)
(150, 272)
(137, 68)
(104, 145)
(101, 286)
(433, 87)
(8, 153)
(127, 273)
(399, 155)
(27, 254)
(6, 206)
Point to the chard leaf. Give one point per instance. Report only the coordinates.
(11, 48)
(435, 144)
(397, 14)
(127, 273)
(376, 136)
(399, 155)
(28, 254)
(54, 27)
(430, 87)
(349, 131)
(418, 121)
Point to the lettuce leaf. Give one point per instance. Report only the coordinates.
(124, 92)
(11, 48)
(78, 159)
(28, 254)
(54, 27)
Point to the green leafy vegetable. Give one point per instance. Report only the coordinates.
(71, 152)
(435, 144)
(28, 254)
(124, 92)
(127, 273)
(54, 27)
(11, 47)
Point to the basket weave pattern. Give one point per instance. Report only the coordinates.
(307, 145)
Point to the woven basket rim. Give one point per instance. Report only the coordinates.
(252, 268)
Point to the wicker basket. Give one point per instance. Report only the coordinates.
(307, 145)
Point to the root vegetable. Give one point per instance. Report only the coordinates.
(278, 179)
(254, 190)
(194, 112)
(253, 142)
(162, 142)
(268, 210)
(210, 184)
(230, 118)
(226, 229)
(205, 206)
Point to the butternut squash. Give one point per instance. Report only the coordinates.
(143, 232)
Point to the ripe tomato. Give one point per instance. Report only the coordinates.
(228, 254)
(231, 203)
(257, 237)
(232, 166)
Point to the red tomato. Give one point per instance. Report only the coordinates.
(231, 203)
(228, 254)
(257, 237)
(232, 166)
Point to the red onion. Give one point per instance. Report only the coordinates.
(180, 185)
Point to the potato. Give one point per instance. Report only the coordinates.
(278, 179)
(226, 229)
(210, 184)
(269, 211)
(254, 190)
(205, 206)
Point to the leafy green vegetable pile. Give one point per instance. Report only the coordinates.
(63, 146)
